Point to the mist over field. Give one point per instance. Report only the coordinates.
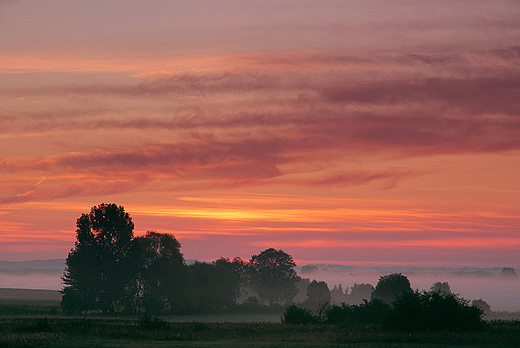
(501, 292)
(36, 274)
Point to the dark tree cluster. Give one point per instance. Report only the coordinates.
(393, 305)
(110, 271)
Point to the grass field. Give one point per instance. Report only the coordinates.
(98, 332)
(28, 294)
(33, 319)
(29, 302)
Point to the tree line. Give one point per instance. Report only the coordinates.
(111, 271)
(392, 304)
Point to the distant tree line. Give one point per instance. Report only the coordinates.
(110, 271)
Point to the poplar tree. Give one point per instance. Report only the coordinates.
(97, 273)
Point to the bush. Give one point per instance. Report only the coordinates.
(374, 312)
(434, 311)
(339, 314)
(296, 315)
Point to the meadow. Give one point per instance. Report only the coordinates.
(34, 319)
(153, 332)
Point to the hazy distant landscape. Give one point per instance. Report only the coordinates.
(469, 282)
(36, 274)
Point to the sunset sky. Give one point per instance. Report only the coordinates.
(351, 132)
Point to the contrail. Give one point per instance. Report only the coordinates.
(39, 182)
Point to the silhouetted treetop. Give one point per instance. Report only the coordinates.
(441, 287)
(483, 305)
(106, 224)
(158, 247)
(272, 275)
(508, 271)
(390, 286)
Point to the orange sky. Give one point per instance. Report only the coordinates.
(373, 132)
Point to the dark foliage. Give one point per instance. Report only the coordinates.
(272, 276)
(110, 272)
(374, 312)
(318, 295)
(338, 314)
(434, 311)
(412, 311)
(483, 305)
(389, 287)
(97, 272)
(208, 288)
(157, 262)
(234, 271)
(296, 315)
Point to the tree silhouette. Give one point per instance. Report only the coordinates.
(508, 272)
(272, 275)
(439, 287)
(337, 295)
(359, 293)
(483, 305)
(157, 261)
(318, 295)
(233, 276)
(389, 287)
(434, 311)
(97, 272)
(209, 288)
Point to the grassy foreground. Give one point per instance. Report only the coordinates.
(97, 332)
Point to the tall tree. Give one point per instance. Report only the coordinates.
(235, 278)
(97, 272)
(157, 260)
(272, 275)
(210, 288)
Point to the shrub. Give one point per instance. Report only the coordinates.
(372, 312)
(296, 315)
(338, 314)
(434, 311)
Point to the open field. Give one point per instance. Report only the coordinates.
(62, 332)
(34, 319)
(29, 302)
(29, 294)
